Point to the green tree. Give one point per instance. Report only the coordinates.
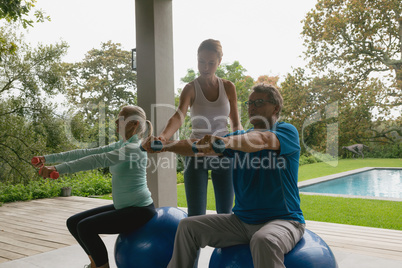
(309, 99)
(235, 73)
(361, 38)
(98, 87)
(18, 11)
(355, 51)
(29, 125)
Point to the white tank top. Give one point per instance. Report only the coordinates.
(209, 117)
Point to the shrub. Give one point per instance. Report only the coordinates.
(304, 159)
(82, 183)
(383, 150)
(180, 177)
(88, 183)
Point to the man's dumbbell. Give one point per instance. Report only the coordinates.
(218, 146)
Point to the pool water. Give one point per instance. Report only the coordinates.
(376, 182)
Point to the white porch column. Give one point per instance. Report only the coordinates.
(155, 81)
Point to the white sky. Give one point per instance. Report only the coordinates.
(263, 35)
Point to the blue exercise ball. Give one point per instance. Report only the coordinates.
(151, 245)
(310, 252)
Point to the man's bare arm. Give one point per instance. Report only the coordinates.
(250, 142)
(253, 142)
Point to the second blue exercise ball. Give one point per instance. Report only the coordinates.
(310, 252)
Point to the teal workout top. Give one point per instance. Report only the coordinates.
(127, 164)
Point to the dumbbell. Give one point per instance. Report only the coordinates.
(35, 160)
(218, 146)
(54, 175)
(155, 145)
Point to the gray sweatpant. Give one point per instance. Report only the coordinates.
(269, 242)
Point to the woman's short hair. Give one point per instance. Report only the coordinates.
(273, 94)
(211, 45)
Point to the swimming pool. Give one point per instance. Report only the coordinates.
(376, 182)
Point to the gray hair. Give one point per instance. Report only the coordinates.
(273, 94)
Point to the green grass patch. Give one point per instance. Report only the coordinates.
(353, 211)
(181, 196)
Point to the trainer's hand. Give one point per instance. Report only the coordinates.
(46, 171)
(205, 144)
(38, 161)
(147, 145)
(161, 138)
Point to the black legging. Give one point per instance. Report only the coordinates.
(86, 227)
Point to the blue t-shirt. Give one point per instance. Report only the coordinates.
(265, 182)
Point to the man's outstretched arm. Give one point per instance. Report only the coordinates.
(249, 142)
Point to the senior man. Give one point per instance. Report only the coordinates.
(267, 212)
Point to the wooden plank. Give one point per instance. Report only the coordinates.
(36, 220)
(364, 251)
(60, 203)
(35, 215)
(386, 242)
(39, 215)
(362, 240)
(362, 235)
(27, 251)
(64, 205)
(348, 241)
(362, 229)
(39, 225)
(33, 231)
(37, 241)
(41, 236)
(3, 259)
(46, 226)
(10, 255)
(376, 236)
(24, 244)
(352, 236)
(34, 208)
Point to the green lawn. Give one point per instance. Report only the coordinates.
(354, 211)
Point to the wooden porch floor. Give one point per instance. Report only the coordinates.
(33, 227)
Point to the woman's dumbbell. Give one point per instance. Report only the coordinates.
(54, 174)
(155, 145)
